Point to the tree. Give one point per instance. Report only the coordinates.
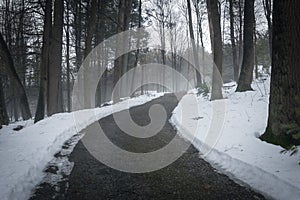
(268, 14)
(68, 56)
(91, 27)
(3, 112)
(8, 65)
(118, 61)
(78, 29)
(44, 64)
(55, 98)
(200, 19)
(200, 12)
(246, 75)
(195, 53)
(233, 44)
(213, 9)
(284, 109)
(240, 43)
(137, 54)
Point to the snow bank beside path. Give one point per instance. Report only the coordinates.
(237, 151)
(24, 154)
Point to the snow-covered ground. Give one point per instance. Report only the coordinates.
(24, 154)
(225, 131)
(231, 142)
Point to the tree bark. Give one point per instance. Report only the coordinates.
(4, 120)
(137, 54)
(268, 14)
(200, 30)
(233, 44)
(284, 107)
(246, 76)
(55, 98)
(8, 64)
(195, 52)
(127, 39)
(44, 65)
(240, 58)
(91, 27)
(118, 62)
(68, 59)
(78, 33)
(213, 10)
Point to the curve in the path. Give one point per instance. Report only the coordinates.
(189, 177)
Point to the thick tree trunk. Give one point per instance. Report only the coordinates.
(195, 52)
(217, 49)
(44, 65)
(246, 76)
(8, 64)
(55, 98)
(233, 45)
(284, 107)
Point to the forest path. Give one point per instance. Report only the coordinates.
(189, 177)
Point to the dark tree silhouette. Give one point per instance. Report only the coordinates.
(213, 10)
(284, 108)
(44, 64)
(246, 75)
(8, 65)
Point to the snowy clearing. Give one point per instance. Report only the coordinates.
(24, 154)
(237, 151)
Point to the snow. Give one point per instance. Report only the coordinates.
(24, 154)
(225, 131)
(236, 150)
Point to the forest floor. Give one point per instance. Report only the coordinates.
(189, 177)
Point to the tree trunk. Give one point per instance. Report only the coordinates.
(4, 120)
(127, 39)
(240, 59)
(55, 98)
(195, 52)
(233, 45)
(246, 76)
(91, 27)
(255, 52)
(268, 14)
(68, 59)
(8, 64)
(44, 64)
(213, 10)
(200, 30)
(78, 33)
(118, 62)
(137, 54)
(284, 107)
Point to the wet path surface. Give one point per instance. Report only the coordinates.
(189, 177)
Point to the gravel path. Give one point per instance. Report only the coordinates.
(189, 177)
